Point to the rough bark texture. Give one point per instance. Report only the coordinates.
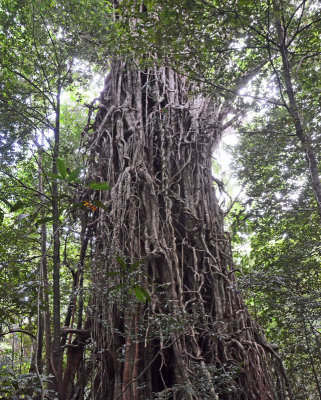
(153, 142)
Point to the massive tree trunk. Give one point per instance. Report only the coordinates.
(193, 339)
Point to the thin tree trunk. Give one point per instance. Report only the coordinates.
(310, 155)
(56, 349)
(75, 348)
(44, 276)
(40, 331)
(44, 273)
(153, 142)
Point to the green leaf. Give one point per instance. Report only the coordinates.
(121, 262)
(17, 206)
(74, 175)
(1, 216)
(145, 293)
(99, 185)
(135, 265)
(55, 176)
(140, 293)
(62, 168)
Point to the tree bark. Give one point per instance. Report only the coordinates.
(56, 360)
(75, 347)
(153, 142)
(44, 273)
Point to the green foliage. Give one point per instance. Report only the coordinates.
(19, 384)
(43, 48)
(99, 185)
(42, 52)
(205, 381)
(276, 237)
(194, 37)
(74, 175)
(130, 275)
(62, 169)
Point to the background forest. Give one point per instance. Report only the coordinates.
(260, 62)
